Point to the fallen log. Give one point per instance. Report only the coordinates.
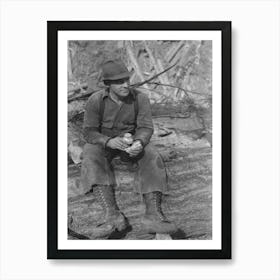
(188, 203)
(187, 160)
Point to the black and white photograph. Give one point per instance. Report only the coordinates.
(140, 135)
(136, 138)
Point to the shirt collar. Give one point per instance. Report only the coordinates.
(105, 93)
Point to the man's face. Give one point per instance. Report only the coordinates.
(120, 87)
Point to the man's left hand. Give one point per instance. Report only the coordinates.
(135, 149)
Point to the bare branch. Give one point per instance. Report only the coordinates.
(152, 78)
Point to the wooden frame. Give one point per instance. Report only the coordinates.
(53, 113)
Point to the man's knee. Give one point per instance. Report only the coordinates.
(93, 151)
(153, 156)
(151, 151)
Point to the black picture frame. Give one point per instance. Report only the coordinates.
(53, 27)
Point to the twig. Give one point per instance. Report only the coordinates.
(185, 90)
(172, 53)
(154, 91)
(152, 78)
(167, 85)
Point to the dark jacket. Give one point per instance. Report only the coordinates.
(117, 119)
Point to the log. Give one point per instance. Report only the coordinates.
(188, 203)
(187, 160)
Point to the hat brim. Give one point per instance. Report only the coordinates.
(118, 77)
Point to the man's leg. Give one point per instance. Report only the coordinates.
(96, 168)
(152, 184)
(97, 179)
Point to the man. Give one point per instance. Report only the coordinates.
(110, 115)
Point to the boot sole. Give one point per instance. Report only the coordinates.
(151, 226)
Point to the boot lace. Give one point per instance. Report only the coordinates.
(101, 198)
(107, 199)
(157, 204)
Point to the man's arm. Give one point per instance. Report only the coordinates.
(92, 122)
(145, 127)
(93, 136)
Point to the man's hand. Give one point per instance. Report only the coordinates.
(117, 143)
(135, 149)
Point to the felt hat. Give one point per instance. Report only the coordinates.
(114, 70)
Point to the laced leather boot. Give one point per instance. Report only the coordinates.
(113, 218)
(154, 221)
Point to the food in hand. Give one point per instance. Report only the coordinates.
(127, 138)
(135, 146)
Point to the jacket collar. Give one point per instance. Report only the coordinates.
(105, 93)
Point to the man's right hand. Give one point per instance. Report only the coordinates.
(117, 143)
